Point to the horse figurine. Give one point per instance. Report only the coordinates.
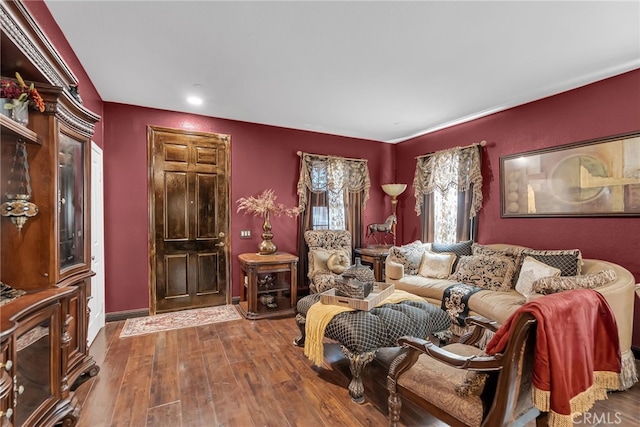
(386, 227)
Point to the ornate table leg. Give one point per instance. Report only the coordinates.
(357, 362)
(300, 321)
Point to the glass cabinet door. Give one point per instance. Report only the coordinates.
(34, 386)
(71, 194)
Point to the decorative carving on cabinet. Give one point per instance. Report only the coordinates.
(16, 22)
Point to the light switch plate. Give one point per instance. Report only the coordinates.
(245, 234)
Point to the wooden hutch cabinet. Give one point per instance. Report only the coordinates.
(43, 335)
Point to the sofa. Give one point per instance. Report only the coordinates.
(421, 269)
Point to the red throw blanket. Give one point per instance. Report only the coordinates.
(577, 352)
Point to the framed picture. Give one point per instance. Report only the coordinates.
(591, 178)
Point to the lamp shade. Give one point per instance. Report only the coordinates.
(394, 190)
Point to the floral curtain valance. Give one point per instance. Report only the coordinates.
(332, 174)
(456, 167)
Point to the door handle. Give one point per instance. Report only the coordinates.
(221, 244)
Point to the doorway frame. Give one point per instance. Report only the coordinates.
(151, 212)
(97, 234)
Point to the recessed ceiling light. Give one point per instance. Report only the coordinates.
(194, 100)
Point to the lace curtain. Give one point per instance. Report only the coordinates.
(449, 184)
(337, 186)
(333, 175)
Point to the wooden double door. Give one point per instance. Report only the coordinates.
(189, 219)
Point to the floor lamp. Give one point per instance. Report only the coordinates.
(394, 190)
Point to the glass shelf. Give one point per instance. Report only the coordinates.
(11, 128)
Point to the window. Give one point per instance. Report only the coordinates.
(320, 219)
(448, 190)
(332, 194)
(329, 188)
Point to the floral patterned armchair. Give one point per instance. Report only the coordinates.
(329, 254)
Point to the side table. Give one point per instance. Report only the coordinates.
(266, 281)
(375, 256)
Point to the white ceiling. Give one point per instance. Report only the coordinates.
(385, 71)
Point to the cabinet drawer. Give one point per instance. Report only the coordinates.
(273, 268)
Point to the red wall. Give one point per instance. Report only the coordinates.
(605, 108)
(262, 157)
(90, 97)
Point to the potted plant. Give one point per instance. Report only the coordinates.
(15, 97)
(264, 205)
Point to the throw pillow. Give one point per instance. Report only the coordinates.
(512, 252)
(318, 258)
(493, 273)
(568, 261)
(549, 285)
(338, 262)
(460, 249)
(436, 266)
(409, 255)
(531, 270)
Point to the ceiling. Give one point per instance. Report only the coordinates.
(385, 71)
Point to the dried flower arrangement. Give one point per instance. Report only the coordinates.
(265, 204)
(21, 94)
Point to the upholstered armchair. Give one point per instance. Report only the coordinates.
(329, 255)
(463, 386)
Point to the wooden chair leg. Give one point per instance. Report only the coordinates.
(542, 420)
(394, 405)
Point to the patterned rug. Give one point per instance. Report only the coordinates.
(179, 320)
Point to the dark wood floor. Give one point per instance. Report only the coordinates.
(248, 373)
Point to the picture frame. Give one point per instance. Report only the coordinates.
(599, 177)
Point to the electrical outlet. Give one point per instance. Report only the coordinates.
(245, 234)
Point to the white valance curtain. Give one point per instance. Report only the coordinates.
(333, 175)
(448, 191)
(456, 168)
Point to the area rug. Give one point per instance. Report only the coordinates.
(179, 320)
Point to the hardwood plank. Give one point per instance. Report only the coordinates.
(207, 333)
(195, 392)
(188, 341)
(226, 395)
(236, 349)
(143, 345)
(133, 397)
(249, 373)
(165, 382)
(165, 415)
(261, 401)
(105, 387)
(293, 402)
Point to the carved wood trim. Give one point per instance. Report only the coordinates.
(21, 29)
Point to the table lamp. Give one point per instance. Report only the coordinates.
(394, 190)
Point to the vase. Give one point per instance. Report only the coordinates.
(5, 111)
(19, 111)
(266, 247)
